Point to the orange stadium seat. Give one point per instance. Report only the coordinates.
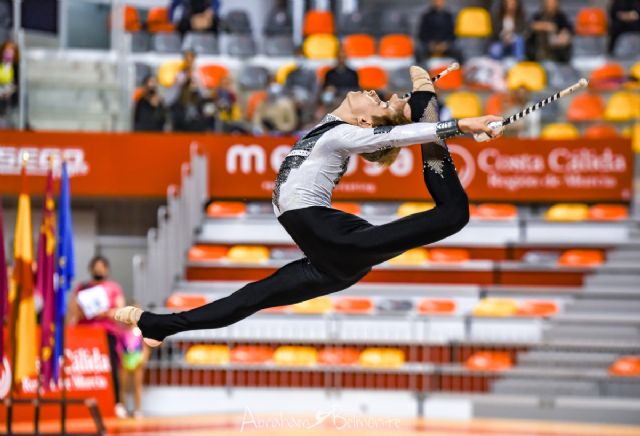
(586, 107)
(451, 81)
(449, 255)
(207, 355)
(607, 77)
(494, 104)
(210, 75)
(414, 257)
(626, 366)
(537, 308)
(495, 211)
(168, 71)
(353, 305)
(381, 358)
(207, 252)
(338, 356)
(464, 104)
(591, 22)
(295, 356)
(560, 131)
(396, 46)
(137, 93)
(226, 209)
(320, 46)
(248, 254)
(251, 354)
(531, 75)
(601, 130)
(581, 258)
(608, 212)
(623, 106)
(412, 207)
(495, 307)
(473, 22)
(567, 212)
(158, 20)
(321, 72)
(359, 46)
(131, 19)
(372, 77)
(254, 101)
(314, 306)
(489, 361)
(348, 207)
(436, 306)
(318, 22)
(180, 301)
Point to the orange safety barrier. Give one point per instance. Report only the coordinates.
(207, 252)
(181, 301)
(449, 255)
(601, 131)
(396, 46)
(210, 75)
(451, 81)
(537, 308)
(353, 305)
(581, 258)
(359, 46)
(158, 20)
(495, 211)
(626, 366)
(348, 207)
(591, 22)
(372, 78)
(586, 107)
(489, 361)
(251, 354)
(436, 306)
(607, 77)
(608, 212)
(338, 356)
(318, 22)
(226, 209)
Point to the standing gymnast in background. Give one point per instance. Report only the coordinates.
(341, 248)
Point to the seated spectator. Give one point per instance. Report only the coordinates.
(277, 114)
(149, 114)
(228, 110)
(9, 80)
(341, 79)
(436, 32)
(549, 34)
(508, 30)
(278, 20)
(624, 17)
(195, 15)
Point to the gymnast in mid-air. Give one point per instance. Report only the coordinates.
(341, 248)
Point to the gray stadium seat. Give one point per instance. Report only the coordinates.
(237, 22)
(394, 22)
(201, 43)
(279, 46)
(589, 46)
(545, 388)
(286, 254)
(358, 22)
(399, 80)
(565, 359)
(629, 388)
(394, 306)
(559, 75)
(472, 47)
(142, 71)
(627, 46)
(166, 42)
(242, 46)
(140, 42)
(278, 24)
(301, 79)
(253, 77)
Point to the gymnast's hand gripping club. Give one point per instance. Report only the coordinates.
(582, 83)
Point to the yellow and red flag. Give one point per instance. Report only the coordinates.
(22, 324)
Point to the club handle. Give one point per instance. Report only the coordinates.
(482, 137)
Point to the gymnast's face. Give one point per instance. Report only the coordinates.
(365, 105)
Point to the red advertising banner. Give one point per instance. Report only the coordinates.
(88, 376)
(244, 167)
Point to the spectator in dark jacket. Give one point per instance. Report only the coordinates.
(149, 114)
(550, 34)
(278, 20)
(195, 15)
(624, 17)
(436, 32)
(341, 79)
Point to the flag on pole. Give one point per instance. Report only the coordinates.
(65, 268)
(22, 323)
(4, 284)
(44, 283)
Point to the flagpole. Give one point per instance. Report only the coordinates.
(63, 375)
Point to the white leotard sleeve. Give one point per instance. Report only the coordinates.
(354, 139)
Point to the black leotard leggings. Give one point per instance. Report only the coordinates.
(341, 248)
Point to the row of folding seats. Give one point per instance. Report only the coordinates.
(372, 357)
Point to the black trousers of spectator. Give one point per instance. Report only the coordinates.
(341, 248)
(112, 343)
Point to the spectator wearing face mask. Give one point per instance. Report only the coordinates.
(149, 114)
(9, 80)
(94, 303)
(195, 15)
